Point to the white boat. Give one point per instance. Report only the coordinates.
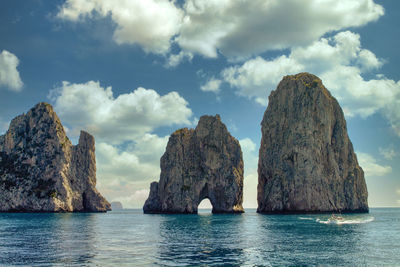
(335, 219)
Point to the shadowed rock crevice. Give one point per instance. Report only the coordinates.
(200, 163)
(41, 171)
(306, 159)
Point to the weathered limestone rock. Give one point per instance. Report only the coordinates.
(41, 171)
(198, 164)
(306, 160)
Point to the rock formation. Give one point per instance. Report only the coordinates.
(306, 160)
(202, 163)
(41, 171)
(116, 205)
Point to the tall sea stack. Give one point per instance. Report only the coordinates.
(306, 159)
(41, 171)
(202, 163)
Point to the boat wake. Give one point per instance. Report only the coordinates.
(346, 221)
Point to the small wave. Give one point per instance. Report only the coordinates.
(348, 221)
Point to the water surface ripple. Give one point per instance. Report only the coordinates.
(131, 238)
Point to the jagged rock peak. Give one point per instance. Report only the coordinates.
(306, 159)
(41, 171)
(200, 163)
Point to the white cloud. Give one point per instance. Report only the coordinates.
(247, 145)
(388, 153)
(250, 189)
(130, 169)
(250, 158)
(150, 24)
(211, 86)
(244, 28)
(368, 61)
(125, 164)
(250, 154)
(175, 59)
(371, 167)
(362, 97)
(328, 57)
(257, 77)
(339, 61)
(237, 29)
(114, 120)
(9, 75)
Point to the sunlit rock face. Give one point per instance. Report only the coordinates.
(306, 160)
(202, 163)
(41, 171)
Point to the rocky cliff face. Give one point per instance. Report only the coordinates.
(306, 160)
(40, 170)
(201, 163)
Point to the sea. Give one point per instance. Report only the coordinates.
(131, 238)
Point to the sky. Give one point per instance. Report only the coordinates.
(132, 72)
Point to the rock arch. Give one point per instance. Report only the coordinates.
(205, 162)
(206, 193)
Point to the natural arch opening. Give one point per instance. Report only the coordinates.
(205, 206)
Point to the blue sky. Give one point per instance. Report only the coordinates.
(132, 72)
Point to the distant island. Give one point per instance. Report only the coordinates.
(41, 171)
(116, 205)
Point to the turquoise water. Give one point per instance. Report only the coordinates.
(131, 238)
